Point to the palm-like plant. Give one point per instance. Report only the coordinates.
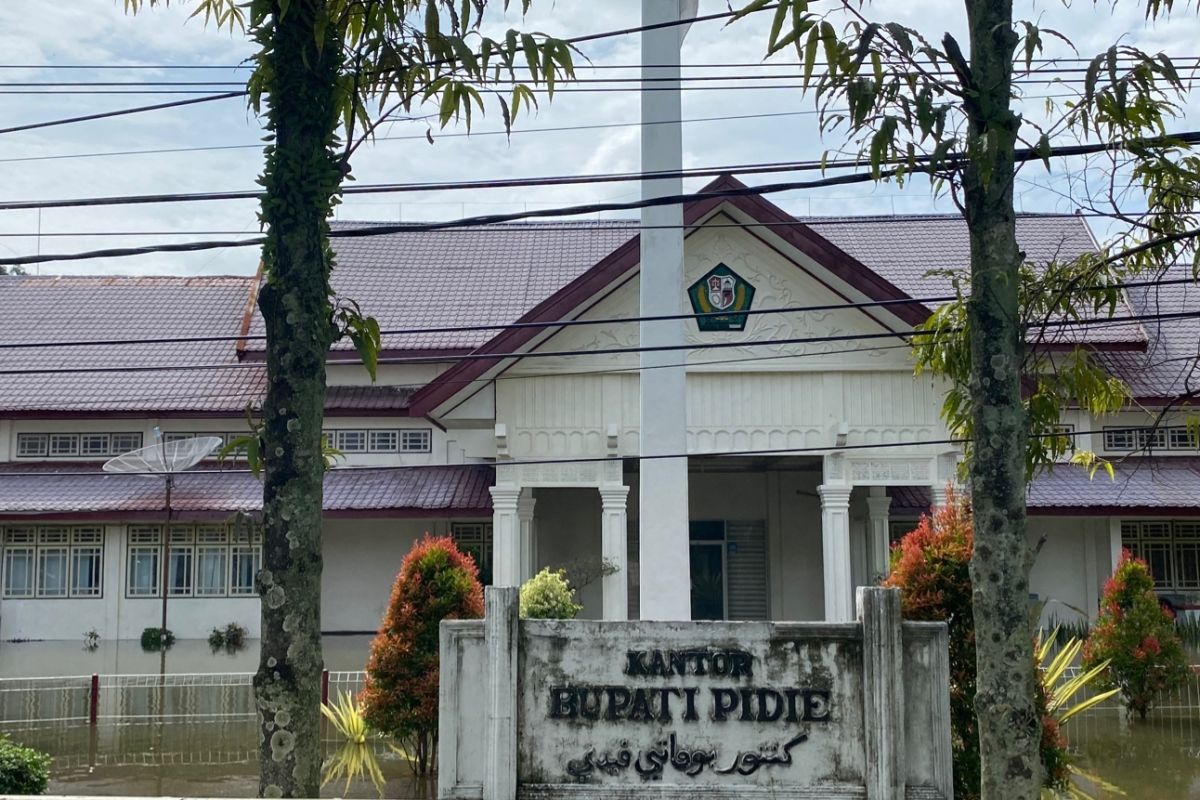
(1060, 689)
(346, 716)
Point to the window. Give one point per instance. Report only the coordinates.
(53, 562)
(95, 444)
(1120, 438)
(415, 441)
(352, 441)
(179, 561)
(143, 562)
(1181, 438)
(87, 559)
(202, 561)
(384, 441)
(247, 561)
(475, 539)
(1152, 439)
(18, 562)
(65, 445)
(124, 442)
(1171, 548)
(30, 445)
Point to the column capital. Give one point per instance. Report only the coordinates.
(505, 497)
(614, 495)
(525, 503)
(878, 506)
(834, 495)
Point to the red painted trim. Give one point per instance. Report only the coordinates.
(408, 513)
(351, 357)
(567, 301)
(239, 413)
(1099, 347)
(248, 311)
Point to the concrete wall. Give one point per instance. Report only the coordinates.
(1074, 562)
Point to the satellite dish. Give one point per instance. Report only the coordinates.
(165, 458)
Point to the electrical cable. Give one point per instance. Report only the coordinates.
(568, 323)
(478, 356)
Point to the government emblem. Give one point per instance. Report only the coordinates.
(720, 290)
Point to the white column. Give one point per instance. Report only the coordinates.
(500, 636)
(613, 538)
(1114, 543)
(835, 551)
(663, 482)
(938, 496)
(506, 536)
(878, 505)
(525, 504)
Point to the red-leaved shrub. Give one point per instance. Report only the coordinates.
(437, 581)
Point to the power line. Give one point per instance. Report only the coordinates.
(419, 136)
(121, 112)
(243, 93)
(477, 356)
(619, 224)
(569, 323)
(1022, 154)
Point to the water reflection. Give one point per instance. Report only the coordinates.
(206, 758)
(1151, 760)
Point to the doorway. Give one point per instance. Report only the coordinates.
(708, 569)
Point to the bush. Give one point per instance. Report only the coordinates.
(23, 770)
(436, 581)
(931, 567)
(231, 638)
(157, 639)
(1137, 636)
(548, 595)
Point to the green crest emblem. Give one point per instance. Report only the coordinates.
(721, 290)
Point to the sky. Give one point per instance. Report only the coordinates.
(40, 38)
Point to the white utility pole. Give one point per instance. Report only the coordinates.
(664, 555)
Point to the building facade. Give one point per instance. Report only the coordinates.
(506, 415)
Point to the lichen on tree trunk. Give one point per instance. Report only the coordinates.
(300, 180)
(1009, 726)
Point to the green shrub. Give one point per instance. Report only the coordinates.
(437, 581)
(931, 567)
(230, 638)
(1188, 628)
(157, 639)
(23, 770)
(548, 595)
(1137, 637)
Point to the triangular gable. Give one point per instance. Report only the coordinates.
(572, 299)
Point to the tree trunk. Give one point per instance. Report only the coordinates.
(301, 178)
(1009, 726)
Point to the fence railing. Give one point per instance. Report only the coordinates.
(131, 698)
(1185, 697)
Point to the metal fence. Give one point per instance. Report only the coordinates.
(139, 698)
(1184, 698)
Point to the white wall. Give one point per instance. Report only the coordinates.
(1072, 565)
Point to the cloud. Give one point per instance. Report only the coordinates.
(98, 32)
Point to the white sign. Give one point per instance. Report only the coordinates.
(717, 709)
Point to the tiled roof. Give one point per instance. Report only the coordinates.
(468, 276)
(1140, 484)
(1168, 366)
(367, 399)
(71, 308)
(86, 490)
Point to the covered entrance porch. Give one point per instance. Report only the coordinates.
(780, 537)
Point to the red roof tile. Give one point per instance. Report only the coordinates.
(40, 489)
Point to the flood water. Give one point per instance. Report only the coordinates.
(207, 758)
(197, 737)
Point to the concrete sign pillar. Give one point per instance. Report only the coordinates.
(663, 482)
(506, 536)
(835, 551)
(614, 533)
(603, 710)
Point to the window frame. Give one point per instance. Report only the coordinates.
(425, 444)
(1148, 539)
(41, 452)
